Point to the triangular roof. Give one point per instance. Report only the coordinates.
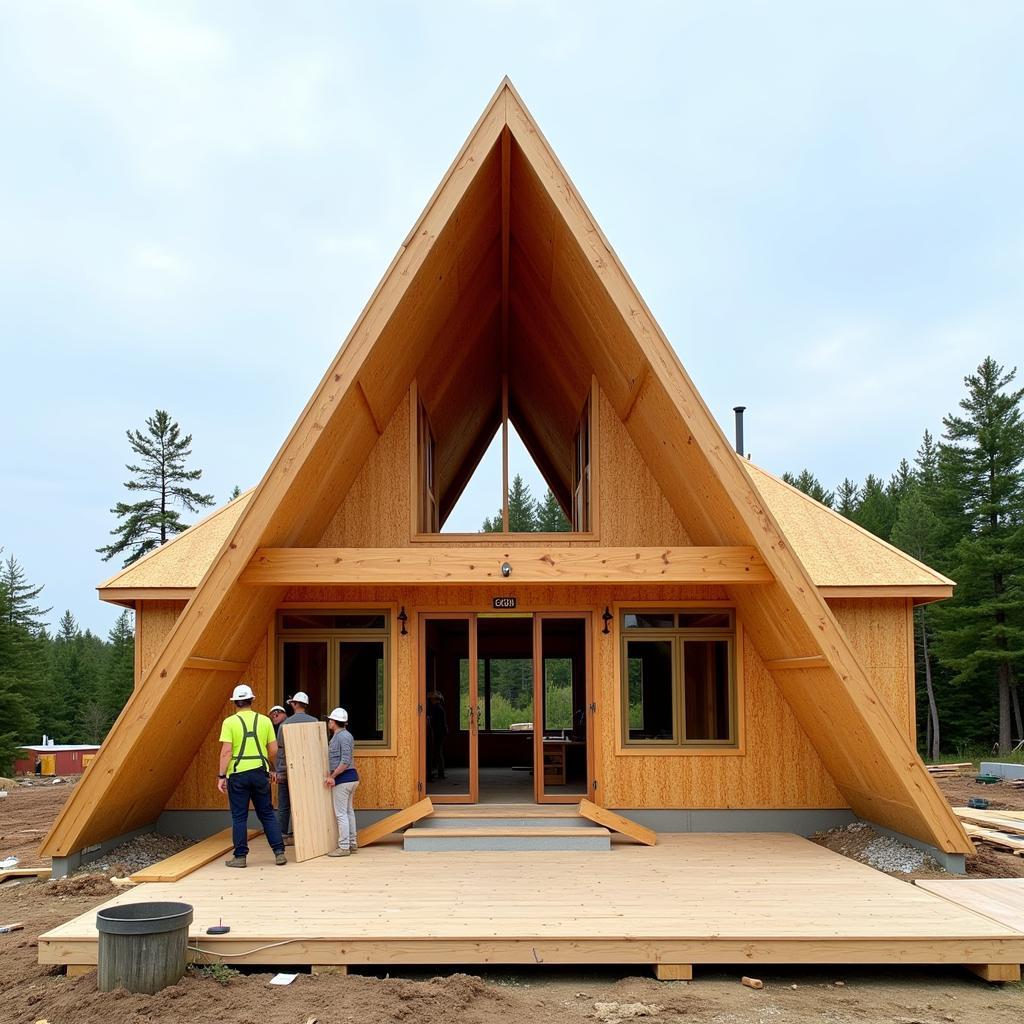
(572, 304)
(842, 558)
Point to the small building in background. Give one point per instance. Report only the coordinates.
(55, 758)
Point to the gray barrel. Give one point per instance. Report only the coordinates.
(142, 946)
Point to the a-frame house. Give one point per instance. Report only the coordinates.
(680, 658)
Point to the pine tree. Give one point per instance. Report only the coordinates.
(21, 609)
(981, 465)
(848, 495)
(19, 664)
(917, 531)
(119, 672)
(522, 511)
(161, 474)
(876, 511)
(807, 482)
(235, 492)
(549, 515)
(522, 517)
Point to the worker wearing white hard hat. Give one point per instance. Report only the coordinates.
(298, 704)
(343, 780)
(248, 748)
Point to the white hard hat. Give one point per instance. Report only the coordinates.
(242, 692)
(300, 698)
(339, 715)
(277, 707)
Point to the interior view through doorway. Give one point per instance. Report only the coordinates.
(505, 708)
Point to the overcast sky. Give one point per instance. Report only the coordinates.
(821, 203)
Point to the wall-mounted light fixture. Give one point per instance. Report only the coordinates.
(403, 618)
(607, 617)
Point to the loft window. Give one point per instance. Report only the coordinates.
(426, 449)
(340, 659)
(581, 472)
(441, 468)
(678, 678)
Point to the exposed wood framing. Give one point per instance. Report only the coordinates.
(293, 566)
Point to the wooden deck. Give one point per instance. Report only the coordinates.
(692, 899)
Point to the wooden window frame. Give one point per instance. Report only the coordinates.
(419, 500)
(387, 635)
(736, 745)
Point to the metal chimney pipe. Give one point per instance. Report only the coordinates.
(739, 410)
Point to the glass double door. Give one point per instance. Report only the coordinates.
(505, 707)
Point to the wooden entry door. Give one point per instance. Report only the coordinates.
(450, 710)
(563, 720)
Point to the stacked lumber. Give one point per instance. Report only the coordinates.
(1004, 829)
(943, 770)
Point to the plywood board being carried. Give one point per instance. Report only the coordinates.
(187, 861)
(313, 821)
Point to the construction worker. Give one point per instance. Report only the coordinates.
(298, 704)
(343, 779)
(247, 752)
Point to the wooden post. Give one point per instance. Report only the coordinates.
(995, 972)
(673, 972)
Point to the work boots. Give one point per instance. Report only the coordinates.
(235, 862)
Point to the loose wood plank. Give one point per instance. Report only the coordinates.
(315, 826)
(1003, 821)
(184, 863)
(989, 835)
(393, 822)
(617, 823)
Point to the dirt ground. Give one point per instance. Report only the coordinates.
(30, 993)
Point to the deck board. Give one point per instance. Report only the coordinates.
(694, 898)
(1001, 899)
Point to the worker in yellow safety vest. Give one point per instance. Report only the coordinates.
(247, 752)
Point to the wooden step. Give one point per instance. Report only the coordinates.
(440, 820)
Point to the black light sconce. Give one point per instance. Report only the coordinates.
(403, 618)
(607, 617)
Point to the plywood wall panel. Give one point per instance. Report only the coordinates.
(153, 621)
(881, 633)
(633, 509)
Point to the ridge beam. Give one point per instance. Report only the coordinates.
(483, 564)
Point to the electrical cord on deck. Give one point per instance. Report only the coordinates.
(248, 952)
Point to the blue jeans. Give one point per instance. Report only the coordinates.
(252, 786)
(284, 807)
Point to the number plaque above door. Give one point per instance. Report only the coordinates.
(503, 602)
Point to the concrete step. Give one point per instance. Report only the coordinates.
(516, 838)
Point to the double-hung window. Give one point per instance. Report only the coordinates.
(678, 677)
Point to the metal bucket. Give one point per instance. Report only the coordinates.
(142, 946)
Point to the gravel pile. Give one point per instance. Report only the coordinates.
(138, 853)
(888, 854)
(861, 842)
